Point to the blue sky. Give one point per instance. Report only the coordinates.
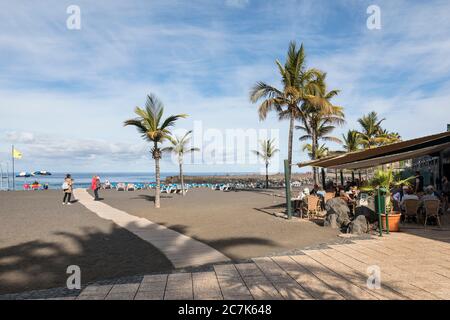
(65, 93)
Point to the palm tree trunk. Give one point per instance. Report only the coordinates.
(267, 175)
(313, 152)
(182, 178)
(291, 137)
(158, 180)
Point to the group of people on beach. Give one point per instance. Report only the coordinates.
(67, 188)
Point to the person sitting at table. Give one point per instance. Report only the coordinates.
(355, 192)
(408, 195)
(298, 201)
(430, 194)
(348, 199)
(315, 190)
(344, 195)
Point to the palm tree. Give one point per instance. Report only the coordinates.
(389, 137)
(155, 130)
(179, 146)
(298, 86)
(320, 152)
(352, 141)
(317, 122)
(268, 150)
(371, 130)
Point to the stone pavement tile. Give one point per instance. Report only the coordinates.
(149, 295)
(94, 289)
(95, 292)
(339, 284)
(314, 286)
(234, 287)
(292, 291)
(125, 288)
(155, 278)
(206, 286)
(248, 270)
(370, 258)
(261, 288)
(91, 297)
(272, 270)
(226, 271)
(231, 283)
(155, 286)
(441, 291)
(179, 287)
(388, 291)
(354, 276)
(237, 297)
(400, 269)
(120, 296)
(411, 291)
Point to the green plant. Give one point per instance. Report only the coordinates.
(268, 150)
(300, 85)
(386, 180)
(154, 129)
(179, 147)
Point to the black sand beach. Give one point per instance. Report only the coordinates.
(240, 224)
(40, 238)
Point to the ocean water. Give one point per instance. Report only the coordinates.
(83, 179)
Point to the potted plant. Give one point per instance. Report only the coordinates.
(386, 180)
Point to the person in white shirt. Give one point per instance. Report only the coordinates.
(409, 195)
(429, 194)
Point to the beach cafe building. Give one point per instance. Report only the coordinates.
(430, 155)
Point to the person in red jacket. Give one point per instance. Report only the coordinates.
(95, 185)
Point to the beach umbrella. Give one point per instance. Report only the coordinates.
(42, 173)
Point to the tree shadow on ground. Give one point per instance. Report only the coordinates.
(100, 255)
(224, 245)
(149, 198)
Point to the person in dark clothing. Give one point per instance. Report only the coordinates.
(95, 186)
(419, 182)
(314, 190)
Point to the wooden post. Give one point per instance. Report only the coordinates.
(323, 179)
(287, 180)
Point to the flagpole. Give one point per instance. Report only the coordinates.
(7, 174)
(1, 178)
(14, 181)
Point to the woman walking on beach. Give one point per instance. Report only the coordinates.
(67, 188)
(95, 185)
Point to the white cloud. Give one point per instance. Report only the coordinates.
(78, 87)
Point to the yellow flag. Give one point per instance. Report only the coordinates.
(17, 154)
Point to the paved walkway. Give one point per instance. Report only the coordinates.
(412, 266)
(180, 249)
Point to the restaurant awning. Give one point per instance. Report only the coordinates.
(386, 154)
